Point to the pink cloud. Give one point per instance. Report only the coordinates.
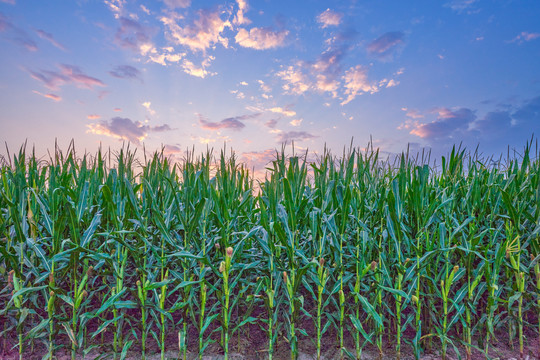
(203, 33)
(261, 38)
(413, 113)
(283, 111)
(240, 18)
(125, 129)
(356, 83)
(258, 160)
(93, 117)
(16, 34)
(171, 150)
(49, 96)
(197, 71)
(329, 18)
(296, 81)
(68, 74)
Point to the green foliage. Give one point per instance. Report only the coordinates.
(371, 249)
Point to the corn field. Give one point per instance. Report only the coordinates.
(111, 253)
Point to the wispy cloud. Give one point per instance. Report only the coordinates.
(145, 9)
(134, 36)
(50, 38)
(125, 129)
(271, 123)
(233, 123)
(261, 38)
(16, 34)
(93, 117)
(126, 72)
(384, 46)
(327, 69)
(288, 136)
(412, 113)
(53, 97)
(203, 33)
(68, 74)
(116, 7)
(329, 18)
(460, 5)
(12, 2)
(173, 4)
(357, 83)
(525, 36)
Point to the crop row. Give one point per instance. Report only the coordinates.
(368, 249)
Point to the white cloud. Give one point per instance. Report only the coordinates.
(282, 111)
(460, 5)
(145, 9)
(264, 88)
(261, 38)
(240, 18)
(116, 6)
(329, 18)
(168, 55)
(203, 33)
(296, 122)
(296, 82)
(526, 36)
(392, 83)
(147, 105)
(197, 71)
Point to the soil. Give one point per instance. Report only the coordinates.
(251, 345)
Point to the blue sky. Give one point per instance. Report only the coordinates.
(255, 74)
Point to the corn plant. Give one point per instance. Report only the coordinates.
(401, 251)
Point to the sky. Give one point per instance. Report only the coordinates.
(253, 75)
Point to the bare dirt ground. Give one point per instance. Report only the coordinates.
(251, 345)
